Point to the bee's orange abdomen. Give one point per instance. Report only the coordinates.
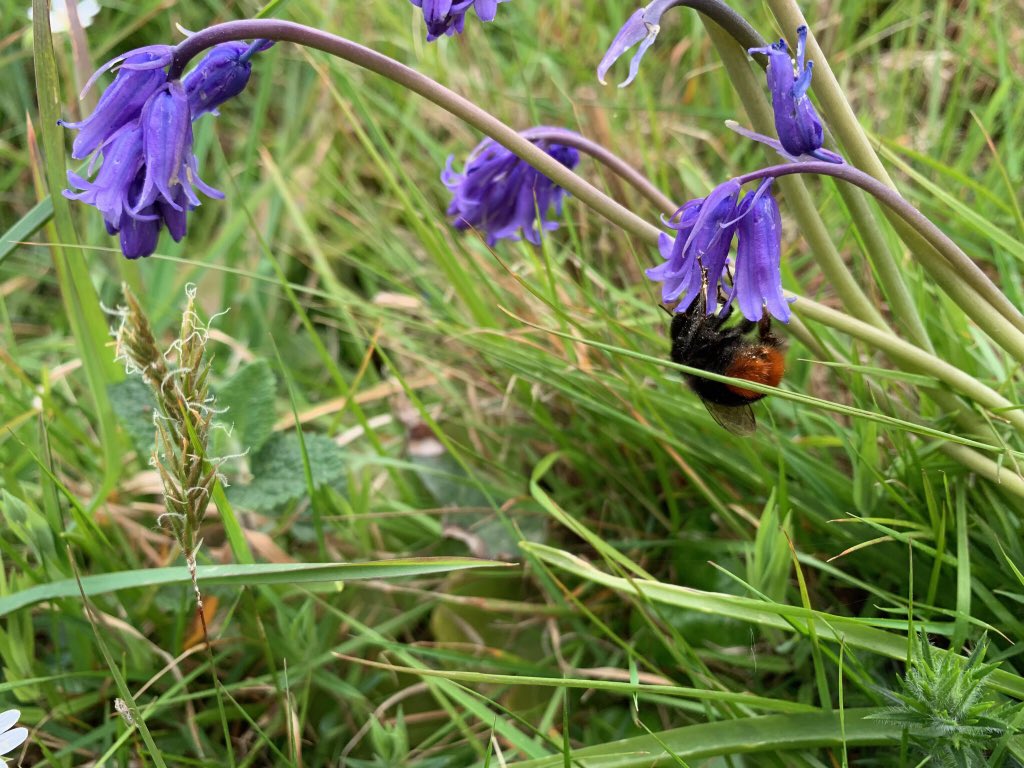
(760, 364)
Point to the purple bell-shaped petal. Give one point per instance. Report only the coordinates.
(642, 27)
(501, 196)
(119, 105)
(448, 17)
(796, 121)
(222, 74)
(757, 280)
(110, 191)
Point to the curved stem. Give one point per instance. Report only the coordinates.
(274, 29)
(607, 158)
(720, 13)
(967, 270)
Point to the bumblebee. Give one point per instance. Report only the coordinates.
(701, 341)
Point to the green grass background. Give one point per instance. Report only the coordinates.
(686, 590)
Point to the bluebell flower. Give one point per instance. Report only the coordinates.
(171, 167)
(110, 191)
(499, 194)
(680, 274)
(222, 74)
(642, 27)
(139, 231)
(699, 253)
(448, 17)
(704, 235)
(121, 103)
(796, 121)
(142, 131)
(757, 281)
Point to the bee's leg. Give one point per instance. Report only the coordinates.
(764, 326)
(746, 326)
(722, 296)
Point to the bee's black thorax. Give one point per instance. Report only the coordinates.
(700, 341)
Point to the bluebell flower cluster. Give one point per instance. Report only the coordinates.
(141, 132)
(448, 17)
(698, 255)
(500, 195)
(796, 121)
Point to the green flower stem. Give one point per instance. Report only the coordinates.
(999, 474)
(859, 152)
(914, 359)
(606, 157)
(798, 198)
(274, 29)
(890, 276)
(82, 304)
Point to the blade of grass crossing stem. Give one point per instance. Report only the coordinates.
(611, 555)
(842, 710)
(937, 515)
(263, 736)
(676, 759)
(232, 528)
(963, 572)
(80, 299)
(36, 218)
(751, 735)
(566, 747)
(820, 674)
(289, 574)
(446, 691)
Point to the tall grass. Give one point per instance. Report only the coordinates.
(680, 594)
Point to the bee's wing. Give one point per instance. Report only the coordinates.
(738, 419)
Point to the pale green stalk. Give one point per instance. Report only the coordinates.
(835, 105)
(955, 271)
(466, 110)
(81, 301)
(914, 359)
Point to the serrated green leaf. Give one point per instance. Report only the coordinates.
(134, 406)
(278, 474)
(249, 398)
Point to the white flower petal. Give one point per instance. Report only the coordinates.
(12, 739)
(8, 718)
